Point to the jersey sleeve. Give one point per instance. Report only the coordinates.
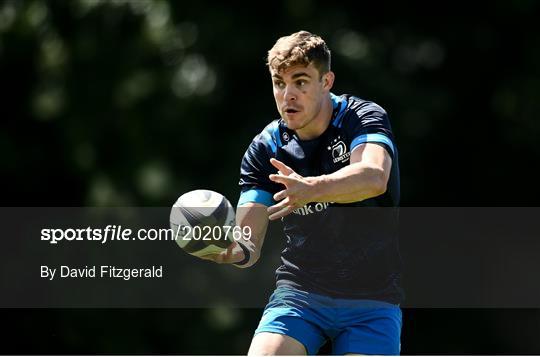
(255, 185)
(370, 124)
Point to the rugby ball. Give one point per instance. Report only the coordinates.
(202, 222)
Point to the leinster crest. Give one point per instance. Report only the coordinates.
(339, 150)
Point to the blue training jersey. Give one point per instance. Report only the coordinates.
(339, 250)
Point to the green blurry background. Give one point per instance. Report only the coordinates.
(131, 103)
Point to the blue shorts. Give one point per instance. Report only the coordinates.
(353, 326)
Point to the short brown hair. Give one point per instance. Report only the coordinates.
(299, 48)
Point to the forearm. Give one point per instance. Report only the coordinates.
(355, 182)
(255, 217)
(250, 252)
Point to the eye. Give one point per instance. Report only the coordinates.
(279, 84)
(301, 82)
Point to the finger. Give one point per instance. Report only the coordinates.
(218, 257)
(286, 170)
(225, 257)
(277, 207)
(281, 213)
(280, 195)
(285, 180)
(229, 255)
(211, 257)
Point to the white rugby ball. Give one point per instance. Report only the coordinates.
(202, 222)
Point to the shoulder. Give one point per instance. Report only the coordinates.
(360, 107)
(268, 140)
(353, 111)
(270, 136)
(364, 121)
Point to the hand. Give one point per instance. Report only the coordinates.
(298, 191)
(233, 254)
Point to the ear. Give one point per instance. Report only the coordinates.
(328, 80)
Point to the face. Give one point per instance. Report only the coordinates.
(300, 93)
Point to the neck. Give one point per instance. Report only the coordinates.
(319, 124)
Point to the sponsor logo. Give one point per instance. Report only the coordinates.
(311, 208)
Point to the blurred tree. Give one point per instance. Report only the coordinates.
(133, 102)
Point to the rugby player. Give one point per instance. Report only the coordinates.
(328, 169)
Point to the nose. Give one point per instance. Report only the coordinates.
(290, 93)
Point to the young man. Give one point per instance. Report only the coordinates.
(323, 168)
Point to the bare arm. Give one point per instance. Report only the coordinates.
(255, 216)
(365, 177)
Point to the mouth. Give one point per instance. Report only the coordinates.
(291, 111)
